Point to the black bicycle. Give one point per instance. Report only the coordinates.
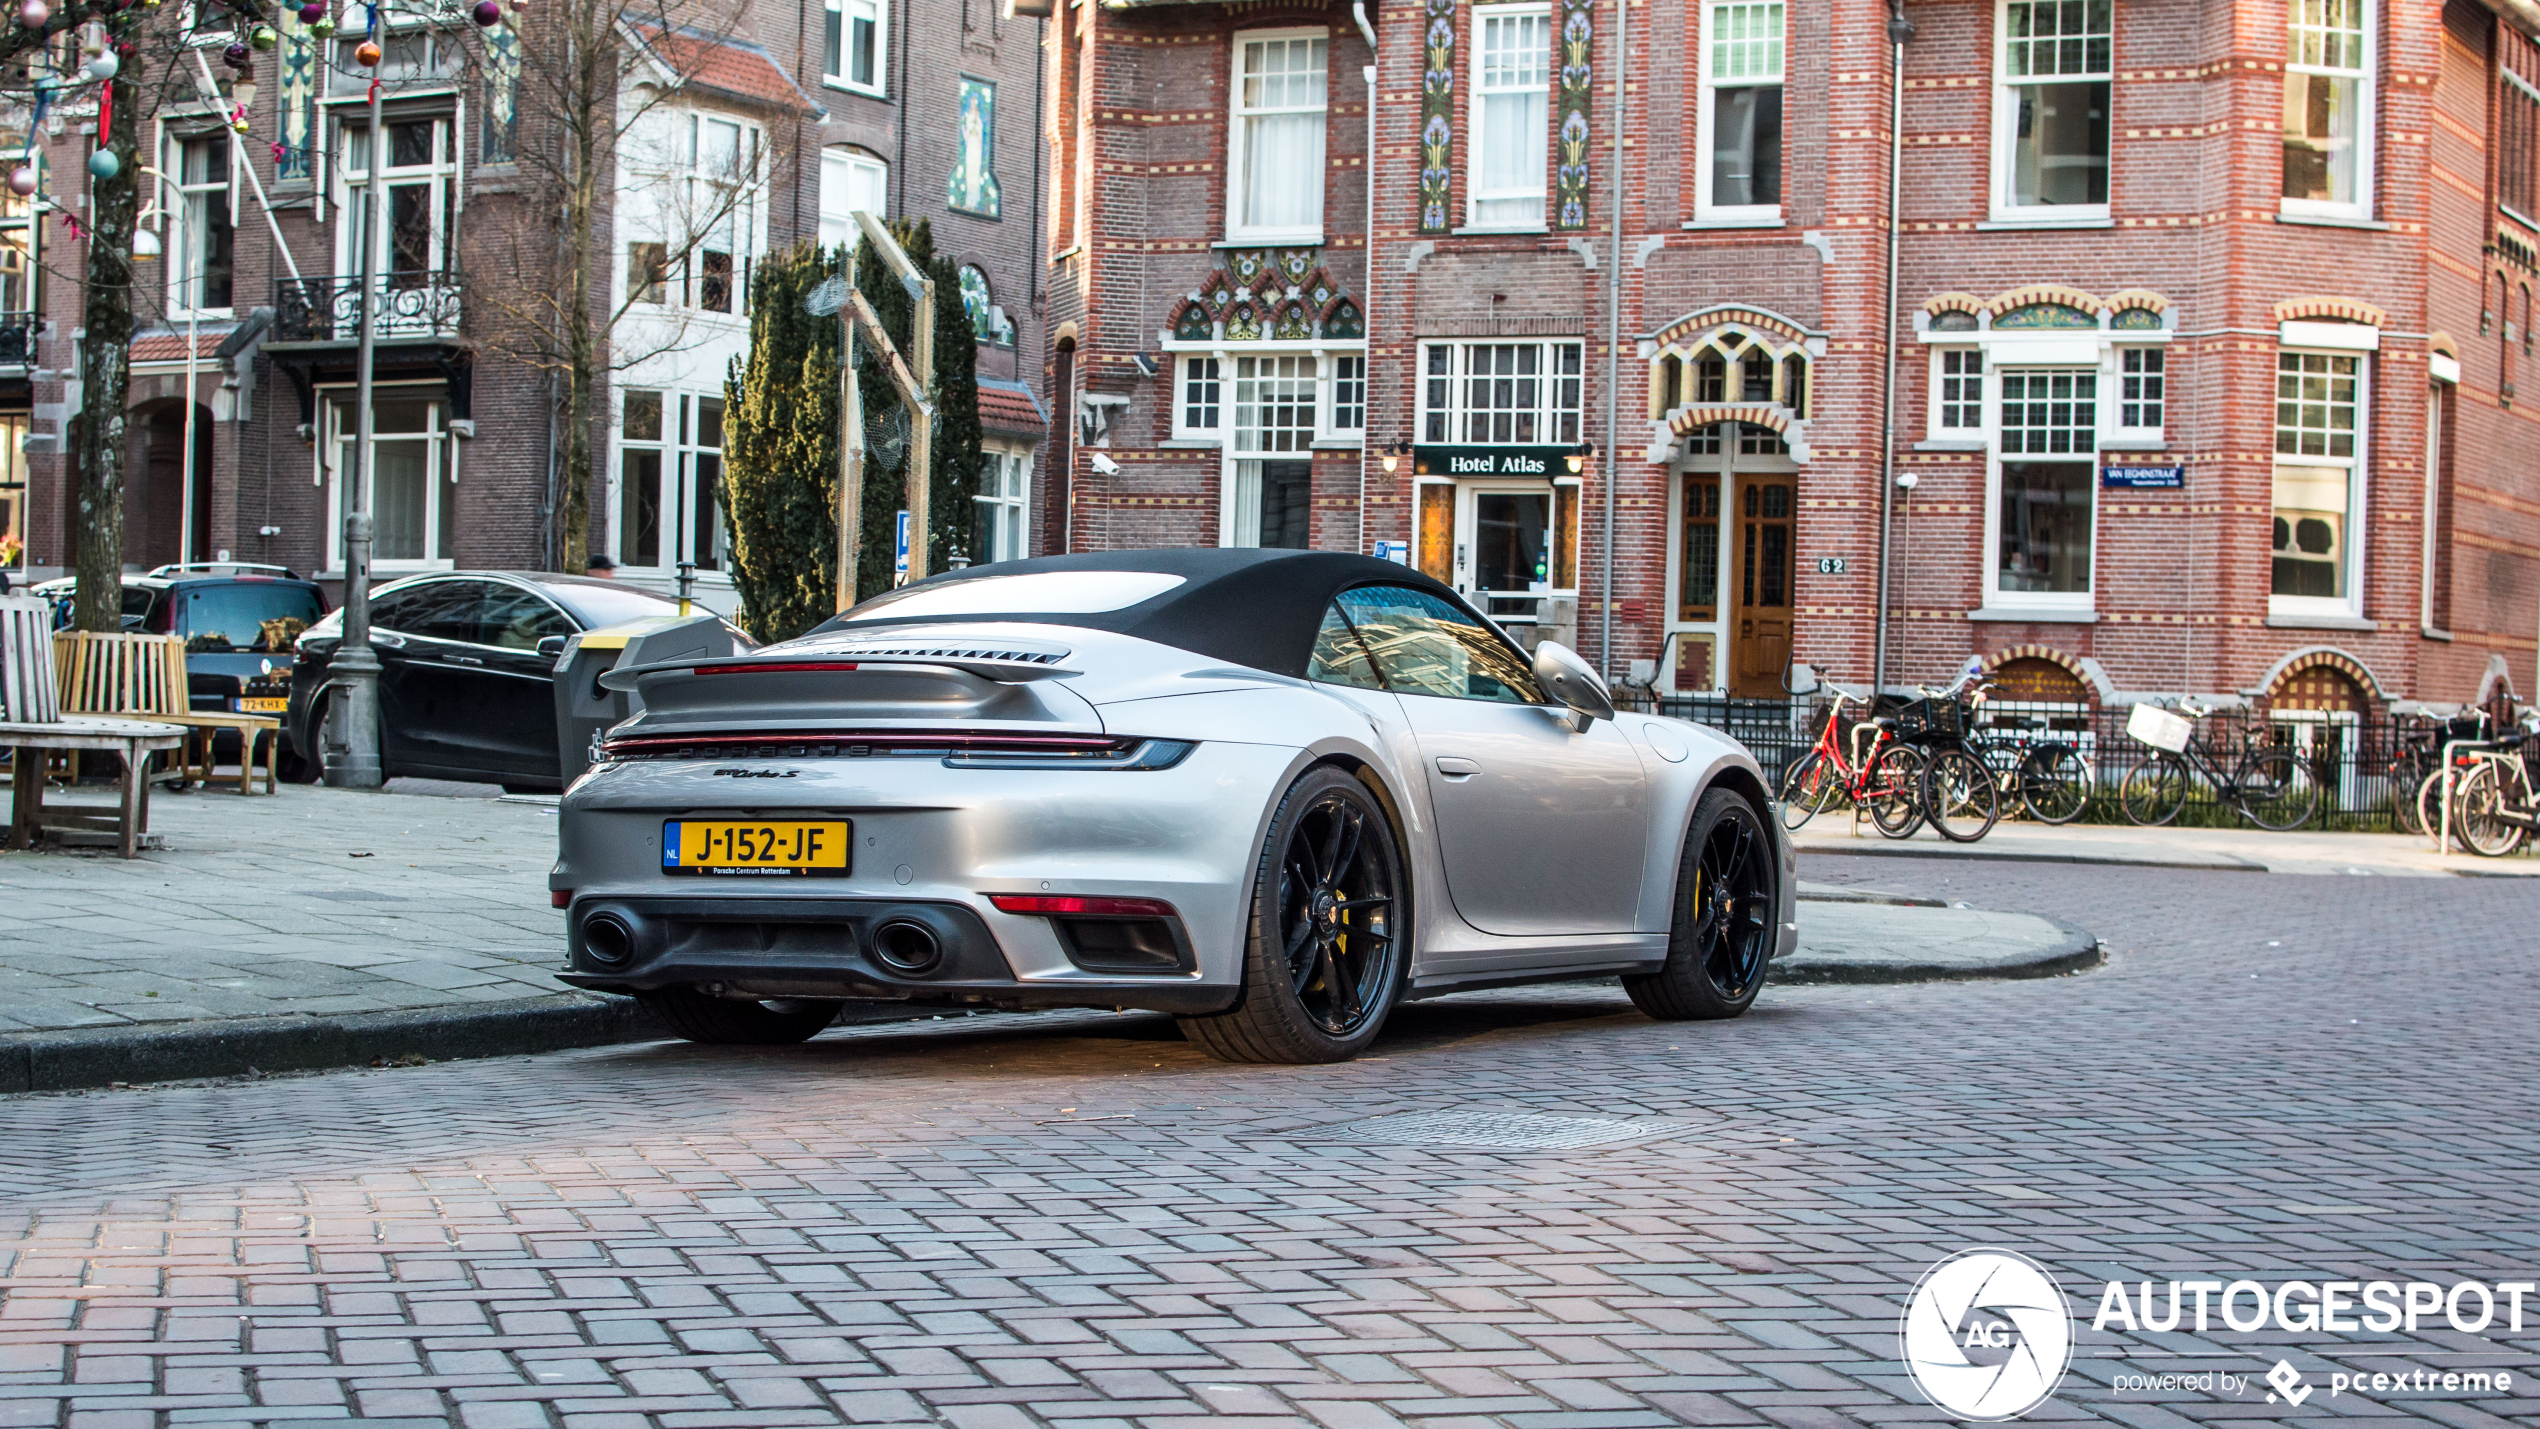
(2268, 785)
(1961, 797)
(2048, 778)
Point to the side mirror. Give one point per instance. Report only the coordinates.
(1574, 682)
(1802, 679)
(551, 646)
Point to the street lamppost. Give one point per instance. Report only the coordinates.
(354, 671)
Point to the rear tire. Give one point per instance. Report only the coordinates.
(1324, 955)
(1728, 897)
(1808, 789)
(308, 766)
(2478, 808)
(2277, 791)
(727, 1022)
(1961, 797)
(2054, 784)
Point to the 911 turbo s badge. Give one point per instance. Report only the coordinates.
(755, 773)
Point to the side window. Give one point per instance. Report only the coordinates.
(517, 620)
(439, 610)
(1423, 645)
(1340, 657)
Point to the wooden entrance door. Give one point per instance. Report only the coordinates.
(1762, 629)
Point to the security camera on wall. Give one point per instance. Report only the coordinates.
(1106, 465)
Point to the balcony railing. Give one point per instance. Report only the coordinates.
(330, 309)
(17, 339)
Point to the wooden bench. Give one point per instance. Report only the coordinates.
(120, 673)
(32, 725)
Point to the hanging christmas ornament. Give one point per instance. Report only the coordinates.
(489, 13)
(103, 67)
(313, 12)
(235, 54)
(22, 180)
(322, 26)
(104, 165)
(34, 13)
(263, 37)
(366, 54)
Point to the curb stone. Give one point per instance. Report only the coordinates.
(226, 1047)
(2076, 951)
(1892, 848)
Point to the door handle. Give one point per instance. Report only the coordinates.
(462, 659)
(1457, 769)
(387, 639)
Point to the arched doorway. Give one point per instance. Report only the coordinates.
(1731, 582)
(156, 502)
(2320, 709)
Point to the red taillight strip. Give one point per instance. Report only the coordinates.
(766, 667)
(1047, 904)
(888, 739)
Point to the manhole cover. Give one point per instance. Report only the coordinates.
(1501, 1131)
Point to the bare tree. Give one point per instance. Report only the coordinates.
(132, 59)
(618, 134)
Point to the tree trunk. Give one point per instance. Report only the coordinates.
(581, 344)
(97, 434)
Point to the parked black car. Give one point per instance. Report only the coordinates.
(240, 623)
(466, 690)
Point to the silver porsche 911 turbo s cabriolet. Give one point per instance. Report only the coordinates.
(1273, 793)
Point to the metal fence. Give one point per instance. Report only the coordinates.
(2361, 765)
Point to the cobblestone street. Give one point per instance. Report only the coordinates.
(1078, 1220)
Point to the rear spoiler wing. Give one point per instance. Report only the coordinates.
(1004, 667)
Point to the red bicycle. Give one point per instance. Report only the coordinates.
(1880, 776)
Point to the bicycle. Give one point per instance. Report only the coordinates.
(2493, 808)
(1961, 797)
(1886, 780)
(2048, 778)
(2268, 786)
(2413, 769)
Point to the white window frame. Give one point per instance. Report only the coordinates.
(684, 178)
(1548, 408)
(176, 253)
(2006, 129)
(2140, 431)
(2048, 603)
(442, 173)
(1186, 371)
(839, 78)
(2349, 606)
(844, 171)
(1236, 229)
(333, 460)
(2367, 113)
(1933, 424)
(679, 447)
(1707, 115)
(1011, 467)
(1348, 393)
(2432, 514)
(1481, 134)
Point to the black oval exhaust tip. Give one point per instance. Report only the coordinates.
(606, 939)
(907, 947)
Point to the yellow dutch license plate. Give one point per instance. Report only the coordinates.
(775, 848)
(260, 704)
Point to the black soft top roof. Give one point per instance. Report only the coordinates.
(1246, 606)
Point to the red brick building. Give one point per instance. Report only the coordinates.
(2203, 334)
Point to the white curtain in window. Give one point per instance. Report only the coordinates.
(1514, 138)
(1281, 104)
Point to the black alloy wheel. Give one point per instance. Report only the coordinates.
(1325, 959)
(1727, 893)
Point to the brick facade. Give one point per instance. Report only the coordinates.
(2195, 255)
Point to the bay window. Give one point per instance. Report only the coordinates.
(1269, 491)
(2143, 393)
(1202, 387)
(1276, 181)
(2327, 108)
(1958, 395)
(2051, 109)
(414, 478)
(2318, 418)
(1740, 158)
(1511, 109)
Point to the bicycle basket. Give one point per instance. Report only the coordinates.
(2159, 728)
(1930, 718)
